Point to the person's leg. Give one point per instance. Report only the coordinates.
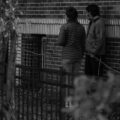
(93, 66)
(101, 66)
(67, 65)
(96, 66)
(77, 67)
(88, 65)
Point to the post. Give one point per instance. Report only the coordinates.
(10, 112)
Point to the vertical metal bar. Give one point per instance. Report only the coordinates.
(41, 95)
(51, 95)
(23, 101)
(41, 103)
(32, 95)
(18, 94)
(37, 105)
(27, 98)
(46, 101)
(60, 95)
(57, 97)
(55, 103)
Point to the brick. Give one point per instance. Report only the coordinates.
(53, 7)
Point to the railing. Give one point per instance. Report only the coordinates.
(40, 94)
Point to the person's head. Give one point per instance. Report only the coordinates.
(71, 14)
(92, 11)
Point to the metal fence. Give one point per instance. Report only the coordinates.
(40, 94)
(41, 97)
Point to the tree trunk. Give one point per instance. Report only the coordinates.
(10, 105)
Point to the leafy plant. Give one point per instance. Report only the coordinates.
(8, 19)
(92, 97)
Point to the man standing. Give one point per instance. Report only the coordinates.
(95, 41)
(72, 38)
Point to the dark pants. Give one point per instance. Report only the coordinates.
(93, 67)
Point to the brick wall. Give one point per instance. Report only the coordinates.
(46, 17)
(55, 8)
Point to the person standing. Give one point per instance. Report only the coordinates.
(72, 39)
(95, 42)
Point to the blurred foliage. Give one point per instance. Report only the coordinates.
(8, 19)
(93, 97)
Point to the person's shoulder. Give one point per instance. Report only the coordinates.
(64, 26)
(73, 25)
(100, 21)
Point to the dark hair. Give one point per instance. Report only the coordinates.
(93, 9)
(71, 13)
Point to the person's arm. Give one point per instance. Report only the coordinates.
(83, 38)
(96, 39)
(62, 36)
